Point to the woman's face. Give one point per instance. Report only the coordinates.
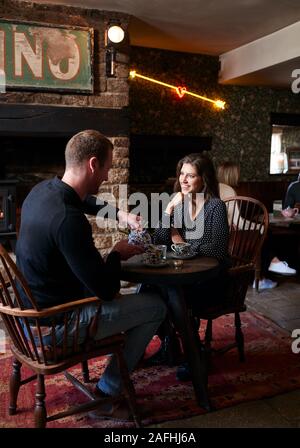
(190, 181)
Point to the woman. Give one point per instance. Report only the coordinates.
(228, 177)
(199, 217)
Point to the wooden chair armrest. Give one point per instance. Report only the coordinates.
(47, 312)
(235, 271)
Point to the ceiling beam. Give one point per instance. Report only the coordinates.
(277, 48)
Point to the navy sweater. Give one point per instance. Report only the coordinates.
(55, 249)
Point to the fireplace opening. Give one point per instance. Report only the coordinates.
(29, 160)
(25, 161)
(153, 159)
(8, 212)
(33, 139)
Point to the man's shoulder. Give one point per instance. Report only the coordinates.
(295, 185)
(43, 185)
(37, 195)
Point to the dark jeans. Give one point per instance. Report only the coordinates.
(207, 294)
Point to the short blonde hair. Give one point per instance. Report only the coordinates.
(87, 144)
(229, 173)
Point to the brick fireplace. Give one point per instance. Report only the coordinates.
(33, 140)
(35, 125)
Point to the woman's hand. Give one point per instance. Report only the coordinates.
(176, 237)
(177, 199)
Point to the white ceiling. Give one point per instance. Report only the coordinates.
(211, 27)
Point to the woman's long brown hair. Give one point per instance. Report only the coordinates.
(205, 168)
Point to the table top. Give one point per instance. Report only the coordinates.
(281, 221)
(193, 270)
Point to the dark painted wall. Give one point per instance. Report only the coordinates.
(242, 132)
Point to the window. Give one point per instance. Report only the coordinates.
(278, 160)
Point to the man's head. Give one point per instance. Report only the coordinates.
(89, 153)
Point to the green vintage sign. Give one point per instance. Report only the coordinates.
(46, 57)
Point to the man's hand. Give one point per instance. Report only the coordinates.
(130, 220)
(127, 250)
(175, 201)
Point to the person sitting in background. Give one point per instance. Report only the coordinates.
(292, 196)
(228, 177)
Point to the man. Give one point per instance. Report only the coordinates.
(293, 194)
(56, 254)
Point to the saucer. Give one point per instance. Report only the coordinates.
(183, 257)
(155, 265)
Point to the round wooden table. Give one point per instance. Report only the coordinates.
(193, 270)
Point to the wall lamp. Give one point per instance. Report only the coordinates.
(114, 35)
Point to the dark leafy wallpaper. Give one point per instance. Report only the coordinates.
(242, 132)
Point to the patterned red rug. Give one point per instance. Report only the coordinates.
(270, 369)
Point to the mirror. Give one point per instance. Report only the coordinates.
(285, 144)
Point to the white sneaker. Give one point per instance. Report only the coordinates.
(282, 268)
(265, 283)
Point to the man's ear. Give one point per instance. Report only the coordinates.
(93, 163)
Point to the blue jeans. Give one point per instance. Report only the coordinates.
(139, 316)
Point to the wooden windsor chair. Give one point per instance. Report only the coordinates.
(30, 335)
(248, 225)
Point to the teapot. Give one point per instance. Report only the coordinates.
(140, 238)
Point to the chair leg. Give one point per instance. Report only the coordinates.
(171, 343)
(85, 371)
(40, 413)
(208, 335)
(129, 390)
(257, 274)
(14, 386)
(239, 337)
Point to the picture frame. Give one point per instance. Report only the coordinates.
(293, 158)
(46, 57)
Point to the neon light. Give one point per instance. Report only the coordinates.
(181, 91)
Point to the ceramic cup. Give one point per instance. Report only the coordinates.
(182, 249)
(290, 212)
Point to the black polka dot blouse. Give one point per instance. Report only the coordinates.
(208, 233)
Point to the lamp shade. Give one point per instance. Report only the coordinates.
(115, 34)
